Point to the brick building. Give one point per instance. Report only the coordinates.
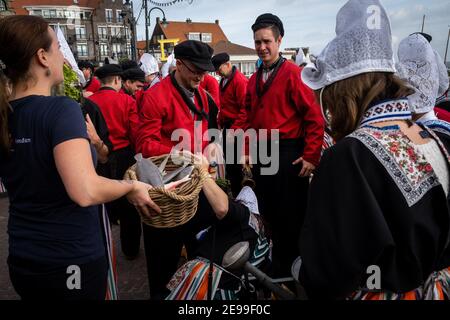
(94, 29)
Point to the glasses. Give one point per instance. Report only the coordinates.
(195, 72)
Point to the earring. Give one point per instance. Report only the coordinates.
(48, 72)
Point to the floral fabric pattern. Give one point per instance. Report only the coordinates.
(409, 169)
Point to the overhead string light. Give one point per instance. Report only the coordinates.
(168, 3)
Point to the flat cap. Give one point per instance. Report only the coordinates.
(198, 53)
(268, 18)
(220, 59)
(85, 65)
(108, 70)
(134, 74)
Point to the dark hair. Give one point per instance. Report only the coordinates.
(275, 30)
(107, 80)
(20, 38)
(347, 100)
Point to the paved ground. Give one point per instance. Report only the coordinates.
(132, 284)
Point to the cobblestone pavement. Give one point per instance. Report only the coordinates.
(133, 284)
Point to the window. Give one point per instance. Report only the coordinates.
(46, 13)
(116, 48)
(87, 15)
(102, 32)
(81, 33)
(109, 15)
(82, 50)
(60, 14)
(194, 36)
(207, 37)
(129, 50)
(52, 13)
(118, 16)
(36, 12)
(103, 49)
(64, 30)
(116, 32)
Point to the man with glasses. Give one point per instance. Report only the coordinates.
(177, 102)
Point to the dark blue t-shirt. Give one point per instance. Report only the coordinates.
(44, 223)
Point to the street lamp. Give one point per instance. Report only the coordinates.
(147, 22)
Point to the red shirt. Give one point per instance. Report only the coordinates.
(442, 114)
(211, 85)
(163, 111)
(232, 97)
(93, 85)
(119, 111)
(289, 106)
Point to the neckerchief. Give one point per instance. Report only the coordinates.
(274, 68)
(200, 113)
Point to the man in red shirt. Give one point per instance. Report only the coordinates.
(233, 89)
(92, 84)
(133, 80)
(177, 102)
(119, 111)
(277, 99)
(211, 85)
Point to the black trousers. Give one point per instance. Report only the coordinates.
(163, 247)
(35, 280)
(130, 222)
(233, 168)
(282, 203)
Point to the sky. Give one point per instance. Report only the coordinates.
(307, 23)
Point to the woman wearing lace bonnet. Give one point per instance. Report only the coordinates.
(424, 70)
(383, 232)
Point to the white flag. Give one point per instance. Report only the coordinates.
(68, 55)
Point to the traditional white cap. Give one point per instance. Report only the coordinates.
(422, 68)
(148, 64)
(171, 62)
(363, 44)
(301, 58)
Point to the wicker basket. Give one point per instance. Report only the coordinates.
(178, 206)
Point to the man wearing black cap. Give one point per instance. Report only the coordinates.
(177, 102)
(119, 111)
(92, 84)
(133, 80)
(233, 89)
(277, 99)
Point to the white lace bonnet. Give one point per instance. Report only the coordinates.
(423, 69)
(363, 44)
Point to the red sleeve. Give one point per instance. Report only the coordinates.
(149, 135)
(242, 120)
(214, 90)
(442, 114)
(313, 122)
(133, 119)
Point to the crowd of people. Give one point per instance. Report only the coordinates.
(361, 145)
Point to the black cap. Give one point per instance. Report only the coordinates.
(85, 65)
(128, 64)
(108, 70)
(134, 74)
(268, 19)
(220, 59)
(198, 53)
(425, 35)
